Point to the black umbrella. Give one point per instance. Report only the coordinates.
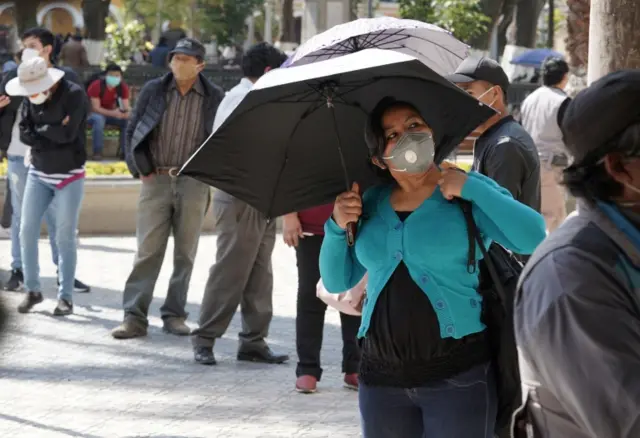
(297, 139)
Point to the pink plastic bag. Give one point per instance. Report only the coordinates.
(349, 302)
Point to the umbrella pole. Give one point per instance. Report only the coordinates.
(352, 227)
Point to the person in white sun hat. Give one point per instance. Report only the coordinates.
(54, 118)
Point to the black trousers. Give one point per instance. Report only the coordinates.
(7, 210)
(310, 316)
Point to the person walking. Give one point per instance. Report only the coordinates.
(304, 231)
(173, 116)
(540, 118)
(54, 119)
(242, 274)
(503, 150)
(73, 53)
(577, 318)
(39, 43)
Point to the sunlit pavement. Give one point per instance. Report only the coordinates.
(69, 378)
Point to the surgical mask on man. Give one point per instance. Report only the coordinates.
(39, 99)
(28, 54)
(413, 153)
(183, 71)
(492, 102)
(113, 81)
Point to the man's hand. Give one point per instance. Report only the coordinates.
(291, 230)
(451, 183)
(146, 178)
(65, 121)
(4, 101)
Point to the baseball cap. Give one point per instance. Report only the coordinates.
(600, 113)
(190, 47)
(480, 69)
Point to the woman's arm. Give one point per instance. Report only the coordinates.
(61, 134)
(28, 135)
(339, 267)
(512, 224)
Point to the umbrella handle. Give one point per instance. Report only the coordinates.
(352, 228)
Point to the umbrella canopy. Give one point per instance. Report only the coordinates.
(535, 57)
(297, 139)
(434, 46)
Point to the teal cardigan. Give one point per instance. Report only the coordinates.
(433, 244)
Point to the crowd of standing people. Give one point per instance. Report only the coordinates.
(418, 354)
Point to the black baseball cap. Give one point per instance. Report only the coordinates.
(599, 114)
(480, 69)
(190, 47)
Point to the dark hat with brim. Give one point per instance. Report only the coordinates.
(189, 47)
(480, 69)
(599, 114)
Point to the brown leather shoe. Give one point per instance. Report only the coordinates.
(176, 326)
(351, 381)
(128, 330)
(306, 384)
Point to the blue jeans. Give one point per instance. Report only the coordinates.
(464, 406)
(66, 203)
(17, 179)
(98, 122)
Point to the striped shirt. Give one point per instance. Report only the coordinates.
(182, 129)
(58, 180)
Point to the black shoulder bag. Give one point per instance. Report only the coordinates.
(499, 272)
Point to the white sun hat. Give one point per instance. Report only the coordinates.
(34, 77)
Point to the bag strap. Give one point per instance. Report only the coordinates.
(473, 237)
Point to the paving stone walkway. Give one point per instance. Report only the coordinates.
(69, 378)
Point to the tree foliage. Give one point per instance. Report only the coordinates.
(25, 14)
(225, 19)
(463, 18)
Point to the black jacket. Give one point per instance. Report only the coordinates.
(147, 115)
(8, 114)
(55, 147)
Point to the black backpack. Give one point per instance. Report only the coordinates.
(499, 273)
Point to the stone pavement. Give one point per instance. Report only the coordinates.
(69, 378)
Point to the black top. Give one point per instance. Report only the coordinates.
(403, 347)
(507, 154)
(56, 147)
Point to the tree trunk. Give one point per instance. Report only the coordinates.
(527, 14)
(617, 46)
(25, 15)
(288, 22)
(95, 16)
(578, 32)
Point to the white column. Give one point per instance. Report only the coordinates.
(268, 19)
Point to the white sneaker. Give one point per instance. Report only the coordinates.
(5, 233)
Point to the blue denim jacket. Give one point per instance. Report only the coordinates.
(433, 243)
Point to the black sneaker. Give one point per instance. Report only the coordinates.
(204, 355)
(79, 287)
(63, 308)
(15, 282)
(30, 300)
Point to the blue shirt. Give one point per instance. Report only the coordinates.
(433, 243)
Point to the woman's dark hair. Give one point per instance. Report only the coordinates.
(374, 133)
(554, 70)
(591, 180)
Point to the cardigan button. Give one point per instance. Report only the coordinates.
(440, 305)
(399, 255)
(424, 279)
(398, 227)
(449, 329)
(473, 302)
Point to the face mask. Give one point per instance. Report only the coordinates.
(492, 102)
(113, 81)
(28, 54)
(413, 153)
(39, 99)
(184, 72)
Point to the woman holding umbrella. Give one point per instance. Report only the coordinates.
(425, 361)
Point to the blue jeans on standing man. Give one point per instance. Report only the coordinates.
(17, 173)
(66, 202)
(463, 406)
(98, 123)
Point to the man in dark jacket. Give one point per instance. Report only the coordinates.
(577, 310)
(173, 116)
(53, 122)
(37, 42)
(503, 151)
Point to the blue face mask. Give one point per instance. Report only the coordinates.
(113, 81)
